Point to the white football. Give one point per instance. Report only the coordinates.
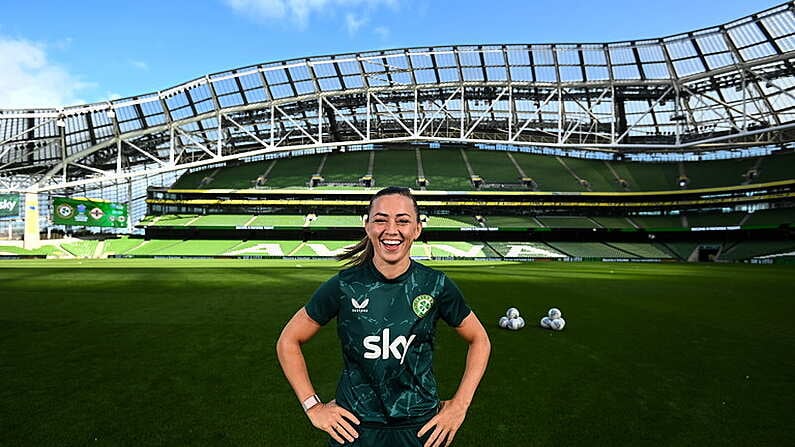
(554, 313)
(504, 322)
(516, 323)
(546, 323)
(558, 324)
(512, 313)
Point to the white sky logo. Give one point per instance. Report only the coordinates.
(387, 347)
(7, 205)
(360, 307)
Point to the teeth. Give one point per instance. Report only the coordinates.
(391, 242)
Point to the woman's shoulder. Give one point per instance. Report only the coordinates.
(423, 269)
(350, 272)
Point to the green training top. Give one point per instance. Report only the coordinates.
(387, 328)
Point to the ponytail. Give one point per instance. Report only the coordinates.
(359, 254)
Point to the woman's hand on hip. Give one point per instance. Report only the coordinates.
(445, 424)
(334, 420)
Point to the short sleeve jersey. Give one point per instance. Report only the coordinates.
(387, 329)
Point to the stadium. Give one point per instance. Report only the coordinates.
(154, 246)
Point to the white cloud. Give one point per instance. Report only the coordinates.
(29, 80)
(141, 65)
(382, 32)
(353, 23)
(299, 12)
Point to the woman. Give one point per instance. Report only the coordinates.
(386, 307)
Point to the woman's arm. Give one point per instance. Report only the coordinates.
(453, 411)
(329, 417)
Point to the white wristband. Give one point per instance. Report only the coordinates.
(310, 402)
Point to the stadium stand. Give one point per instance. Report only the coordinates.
(547, 173)
(776, 167)
(567, 222)
(512, 222)
(121, 245)
(445, 170)
(82, 249)
(717, 173)
(642, 250)
(648, 176)
(613, 222)
(772, 217)
(595, 172)
(495, 169)
(346, 168)
(291, 172)
(525, 250)
(450, 222)
(590, 250)
(395, 167)
(681, 250)
(650, 222)
(751, 249)
(328, 220)
(714, 219)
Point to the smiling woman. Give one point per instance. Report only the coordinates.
(388, 236)
(386, 306)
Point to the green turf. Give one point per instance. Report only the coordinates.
(163, 352)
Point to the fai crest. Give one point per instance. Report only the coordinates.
(422, 304)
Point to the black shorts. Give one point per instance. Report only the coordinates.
(398, 433)
(370, 436)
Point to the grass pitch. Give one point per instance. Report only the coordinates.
(162, 352)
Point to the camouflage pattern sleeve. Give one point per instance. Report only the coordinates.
(452, 307)
(325, 302)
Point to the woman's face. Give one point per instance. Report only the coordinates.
(392, 227)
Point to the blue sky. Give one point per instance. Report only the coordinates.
(55, 53)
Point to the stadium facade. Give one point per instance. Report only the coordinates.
(720, 92)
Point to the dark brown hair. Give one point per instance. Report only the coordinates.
(363, 251)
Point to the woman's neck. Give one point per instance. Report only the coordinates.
(392, 270)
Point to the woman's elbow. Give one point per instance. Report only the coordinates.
(285, 344)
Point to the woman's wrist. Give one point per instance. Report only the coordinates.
(310, 402)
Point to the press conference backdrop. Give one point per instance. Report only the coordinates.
(88, 213)
(9, 205)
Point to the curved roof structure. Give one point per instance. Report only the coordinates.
(730, 85)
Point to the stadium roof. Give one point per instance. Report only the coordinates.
(726, 86)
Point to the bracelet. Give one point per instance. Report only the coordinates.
(310, 402)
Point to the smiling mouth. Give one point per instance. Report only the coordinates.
(391, 244)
